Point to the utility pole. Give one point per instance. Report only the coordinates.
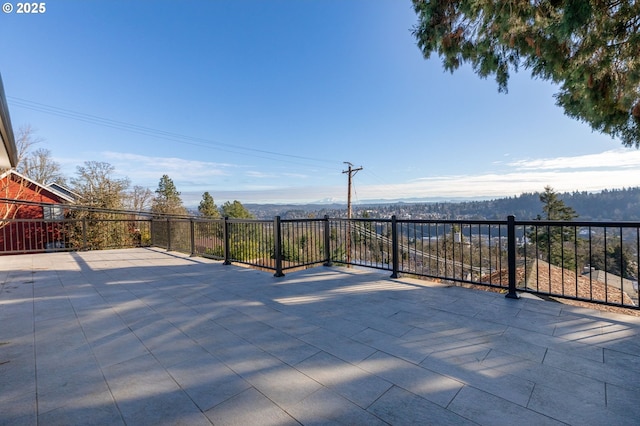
(351, 171)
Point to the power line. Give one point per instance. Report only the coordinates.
(380, 181)
(161, 134)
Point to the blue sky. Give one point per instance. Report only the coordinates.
(263, 101)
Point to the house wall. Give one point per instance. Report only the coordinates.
(21, 237)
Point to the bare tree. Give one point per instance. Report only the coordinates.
(39, 166)
(104, 194)
(97, 186)
(25, 140)
(139, 199)
(36, 165)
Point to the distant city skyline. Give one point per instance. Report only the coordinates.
(264, 101)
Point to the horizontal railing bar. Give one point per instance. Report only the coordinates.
(578, 224)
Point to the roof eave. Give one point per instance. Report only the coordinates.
(8, 151)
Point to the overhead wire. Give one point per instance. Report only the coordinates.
(162, 134)
(355, 193)
(380, 182)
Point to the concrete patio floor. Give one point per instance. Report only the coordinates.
(143, 336)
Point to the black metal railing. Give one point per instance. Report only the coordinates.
(37, 235)
(587, 261)
(250, 242)
(302, 243)
(462, 251)
(592, 261)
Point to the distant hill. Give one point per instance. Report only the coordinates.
(607, 205)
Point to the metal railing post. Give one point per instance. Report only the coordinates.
(511, 257)
(327, 242)
(277, 246)
(168, 234)
(84, 233)
(227, 243)
(192, 232)
(394, 247)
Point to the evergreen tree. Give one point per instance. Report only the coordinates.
(167, 199)
(554, 208)
(588, 47)
(617, 259)
(235, 210)
(557, 243)
(207, 207)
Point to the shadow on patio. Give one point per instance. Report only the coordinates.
(142, 336)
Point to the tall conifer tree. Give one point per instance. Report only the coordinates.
(558, 244)
(207, 207)
(167, 199)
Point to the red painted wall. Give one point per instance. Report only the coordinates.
(25, 236)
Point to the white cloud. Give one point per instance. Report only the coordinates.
(259, 175)
(143, 168)
(272, 175)
(592, 172)
(280, 195)
(498, 185)
(614, 158)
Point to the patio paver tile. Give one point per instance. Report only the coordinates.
(623, 400)
(400, 407)
(338, 345)
(326, 407)
(539, 373)
(408, 350)
(147, 394)
(207, 381)
(20, 409)
(288, 349)
(234, 412)
(577, 409)
(348, 380)
(487, 409)
(428, 384)
(506, 386)
(282, 384)
(596, 370)
(117, 347)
